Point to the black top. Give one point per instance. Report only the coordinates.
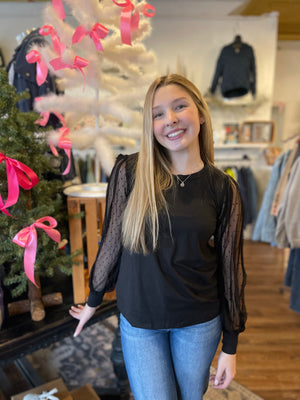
(176, 285)
(194, 275)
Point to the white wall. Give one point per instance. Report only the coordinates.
(17, 17)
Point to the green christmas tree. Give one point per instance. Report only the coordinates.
(23, 140)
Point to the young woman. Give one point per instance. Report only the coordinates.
(172, 245)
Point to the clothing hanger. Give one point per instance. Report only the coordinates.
(237, 43)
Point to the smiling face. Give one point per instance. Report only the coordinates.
(176, 120)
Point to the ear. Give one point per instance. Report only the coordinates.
(202, 120)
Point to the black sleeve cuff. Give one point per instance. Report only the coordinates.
(95, 298)
(230, 342)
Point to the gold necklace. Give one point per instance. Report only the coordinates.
(182, 183)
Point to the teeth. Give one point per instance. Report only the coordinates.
(175, 134)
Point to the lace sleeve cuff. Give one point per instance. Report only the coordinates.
(95, 298)
(230, 341)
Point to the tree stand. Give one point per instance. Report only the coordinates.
(36, 303)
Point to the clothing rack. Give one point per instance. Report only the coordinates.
(243, 161)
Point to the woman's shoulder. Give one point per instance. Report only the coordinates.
(128, 159)
(217, 175)
(127, 163)
(132, 159)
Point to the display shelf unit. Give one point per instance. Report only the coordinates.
(241, 153)
(243, 146)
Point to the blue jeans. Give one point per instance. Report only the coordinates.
(169, 364)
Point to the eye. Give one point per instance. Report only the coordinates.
(157, 115)
(180, 106)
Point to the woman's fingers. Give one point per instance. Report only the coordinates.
(75, 311)
(78, 329)
(83, 314)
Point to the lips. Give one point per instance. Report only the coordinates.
(175, 134)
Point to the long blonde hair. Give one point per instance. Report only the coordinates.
(153, 172)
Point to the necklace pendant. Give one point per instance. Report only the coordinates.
(182, 184)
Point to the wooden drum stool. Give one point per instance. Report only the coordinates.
(86, 209)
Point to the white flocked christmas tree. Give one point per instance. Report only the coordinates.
(102, 68)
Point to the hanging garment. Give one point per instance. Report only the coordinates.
(295, 152)
(292, 279)
(288, 220)
(24, 74)
(237, 70)
(232, 172)
(265, 226)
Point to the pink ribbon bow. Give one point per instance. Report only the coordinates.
(44, 116)
(59, 8)
(78, 63)
(149, 11)
(63, 142)
(17, 174)
(98, 32)
(27, 238)
(58, 46)
(129, 20)
(41, 68)
(66, 144)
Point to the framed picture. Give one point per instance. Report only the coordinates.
(257, 132)
(246, 133)
(231, 133)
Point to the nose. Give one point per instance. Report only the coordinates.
(171, 118)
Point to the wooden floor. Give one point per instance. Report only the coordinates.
(268, 361)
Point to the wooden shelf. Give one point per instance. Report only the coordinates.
(230, 146)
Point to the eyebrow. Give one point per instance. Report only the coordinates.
(173, 101)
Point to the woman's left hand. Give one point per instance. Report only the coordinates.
(226, 371)
(83, 314)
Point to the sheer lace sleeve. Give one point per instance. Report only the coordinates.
(232, 271)
(105, 267)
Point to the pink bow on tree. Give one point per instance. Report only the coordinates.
(27, 238)
(17, 174)
(59, 8)
(58, 46)
(44, 115)
(129, 20)
(41, 68)
(78, 63)
(63, 142)
(98, 32)
(66, 144)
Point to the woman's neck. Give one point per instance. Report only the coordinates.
(183, 164)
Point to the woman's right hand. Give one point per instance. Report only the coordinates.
(83, 314)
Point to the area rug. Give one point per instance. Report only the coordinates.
(86, 359)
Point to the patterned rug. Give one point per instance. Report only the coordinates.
(86, 359)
